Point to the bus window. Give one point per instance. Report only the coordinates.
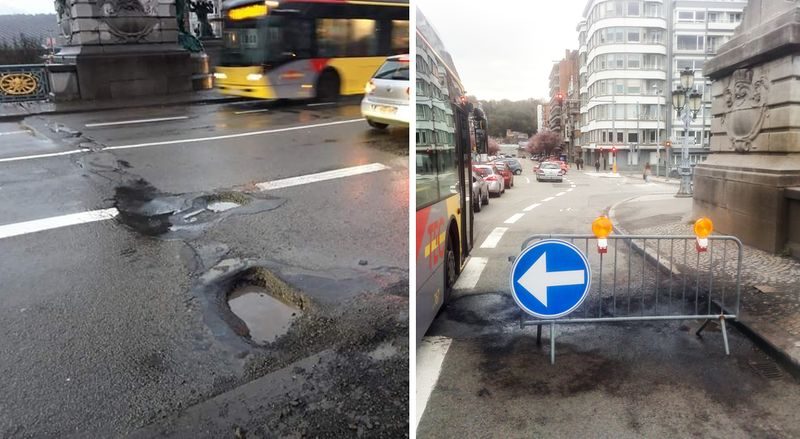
(427, 185)
(363, 39)
(332, 37)
(298, 36)
(400, 37)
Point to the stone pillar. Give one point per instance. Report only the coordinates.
(124, 48)
(745, 184)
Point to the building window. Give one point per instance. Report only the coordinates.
(633, 137)
(633, 9)
(690, 42)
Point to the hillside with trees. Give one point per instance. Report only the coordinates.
(514, 115)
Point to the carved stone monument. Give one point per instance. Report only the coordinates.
(123, 48)
(750, 182)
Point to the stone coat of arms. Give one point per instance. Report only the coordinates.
(746, 101)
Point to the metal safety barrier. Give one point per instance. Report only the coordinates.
(19, 83)
(653, 277)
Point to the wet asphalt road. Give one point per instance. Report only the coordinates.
(609, 380)
(113, 325)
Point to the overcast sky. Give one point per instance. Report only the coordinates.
(504, 49)
(27, 7)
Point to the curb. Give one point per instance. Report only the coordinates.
(791, 363)
(222, 100)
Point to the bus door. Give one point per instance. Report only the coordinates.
(464, 163)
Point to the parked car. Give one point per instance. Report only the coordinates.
(386, 95)
(480, 192)
(493, 178)
(508, 176)
(549, 171)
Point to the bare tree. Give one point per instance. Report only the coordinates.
(494, 148)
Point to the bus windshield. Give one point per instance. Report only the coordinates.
(267, 40)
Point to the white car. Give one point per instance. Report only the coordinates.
(386, 94)
(549, 171)
(493, 178)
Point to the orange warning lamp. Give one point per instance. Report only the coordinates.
(602, 227)
(702, 229)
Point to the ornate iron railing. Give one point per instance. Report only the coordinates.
(24, 83)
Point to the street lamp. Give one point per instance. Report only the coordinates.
(686, 101)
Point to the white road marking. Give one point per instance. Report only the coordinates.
(548, 199)
(527, 180)
(8, 133)
(319, 104)
(494, 237)
(560, 194)
(251, 111)
(570, 189)
(181, 141)
(531, 207)
(430, 357)
(55, 222)
(572, 185)
(514, 218)
(135, 121)
(321, 176)
(471, 273)
(233, 136)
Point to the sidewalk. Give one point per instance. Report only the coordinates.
(19, 110)
(770, 301)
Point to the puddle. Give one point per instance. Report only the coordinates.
(221, 206)
(265, 316)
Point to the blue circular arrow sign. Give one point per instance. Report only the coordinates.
(550, 279)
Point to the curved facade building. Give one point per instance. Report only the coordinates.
(623, 53)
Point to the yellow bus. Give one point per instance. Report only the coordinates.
(301, 49)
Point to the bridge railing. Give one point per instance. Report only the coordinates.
(24, 82)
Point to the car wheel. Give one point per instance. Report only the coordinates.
(485, 200)
(328, 87)
(518, 172)
(476, 203)
(378, 125)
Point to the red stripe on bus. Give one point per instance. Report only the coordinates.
(317, 64)
(422, 223)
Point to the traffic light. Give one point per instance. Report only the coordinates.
(614, 150)
(560, 97)
(668, 144)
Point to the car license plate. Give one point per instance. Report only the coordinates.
(385, 109)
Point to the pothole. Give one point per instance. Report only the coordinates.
(221, 206)
(266, 317)
(265, 305)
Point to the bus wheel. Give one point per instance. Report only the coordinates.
(449, 270)
(328, 87)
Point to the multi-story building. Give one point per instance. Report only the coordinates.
(563, 110)
(630, 56)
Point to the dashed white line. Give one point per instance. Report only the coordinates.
(531, 207)
(514, 218)
(527, 180)
(494, 237)
(321, 176)
(560, 194)
(56, 222)
(251, 111)
(41, 156)
(471, 273)
(8, 133)
(548, 199)
(430, 357)
(136, 121)
(570, 189)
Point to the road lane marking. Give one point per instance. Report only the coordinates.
(8, 133)
(471, 273)
(233, 136)
(527, 180)
(514, 218)
(560, 194)
(251, 111)
(570, 189)
(135, 121)
(494, 237)
(180, 141)
(321, 176)
(531, 207)
(548, 199)
(430, 357)
(56, 222)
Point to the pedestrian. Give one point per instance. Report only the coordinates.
(597, 165)
(646, 174)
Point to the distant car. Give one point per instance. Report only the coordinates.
(549, 171)
(508, 175)
(386, 95)
(493, 178)
(480, 192)
(516, 168)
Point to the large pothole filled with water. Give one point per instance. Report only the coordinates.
(265, 306)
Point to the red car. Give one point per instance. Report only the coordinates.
(506, 172)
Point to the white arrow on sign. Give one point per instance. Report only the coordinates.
(537, 279)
